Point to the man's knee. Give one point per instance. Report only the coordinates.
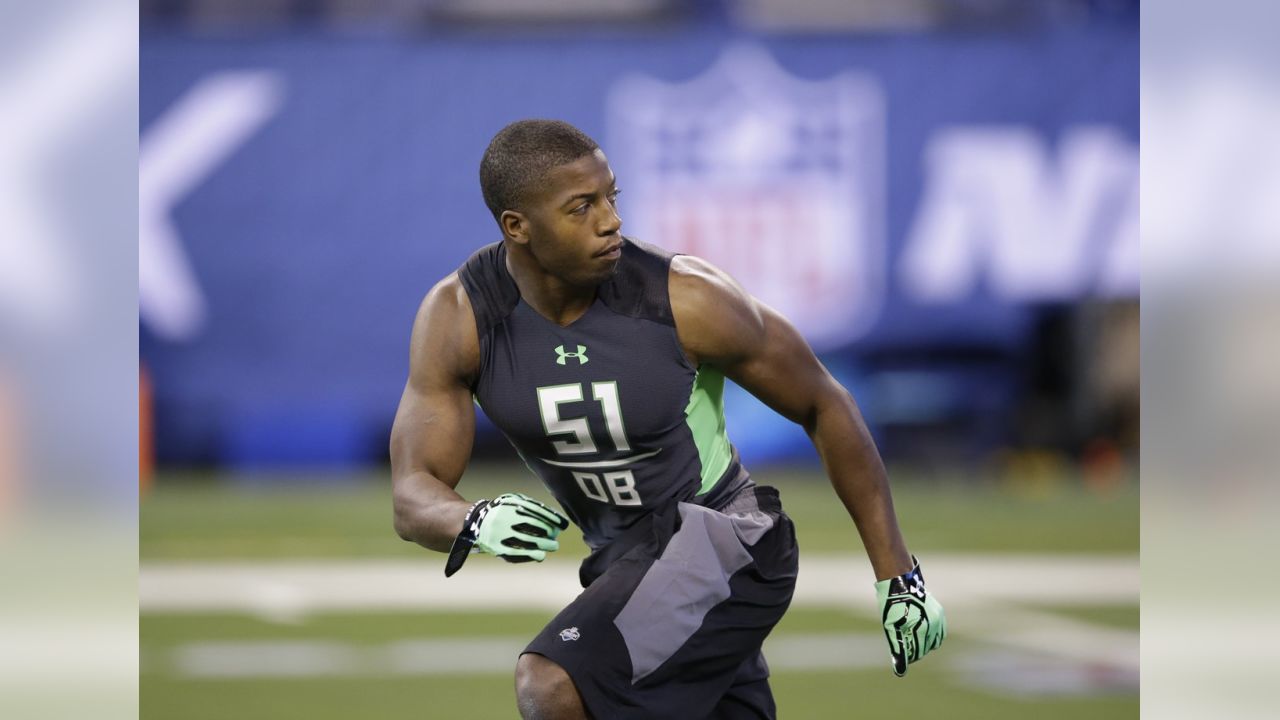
(544, 691)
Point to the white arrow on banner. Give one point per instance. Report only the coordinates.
(179, 150)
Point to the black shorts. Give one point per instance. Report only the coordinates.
(675, 611)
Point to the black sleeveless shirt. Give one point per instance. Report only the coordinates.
(608, 412)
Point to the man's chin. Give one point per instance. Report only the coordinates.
(601, 276)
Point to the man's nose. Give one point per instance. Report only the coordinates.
(612, 222)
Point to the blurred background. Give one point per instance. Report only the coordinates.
(942, 194)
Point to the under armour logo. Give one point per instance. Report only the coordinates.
(917, 587)
(581, 355)
(571, 633)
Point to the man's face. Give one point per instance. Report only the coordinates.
(573, 227)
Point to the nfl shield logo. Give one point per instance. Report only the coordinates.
(776, 179)
(568, 634)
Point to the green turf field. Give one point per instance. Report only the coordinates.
(371, 664)
(936, 688)
(194, 517)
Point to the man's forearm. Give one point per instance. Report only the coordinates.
(427, 511)
(853, 464)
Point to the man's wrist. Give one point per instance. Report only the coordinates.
(897, 568)
(468, 529)
(906, 582)
(465, 540)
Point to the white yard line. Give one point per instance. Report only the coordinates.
(1012, 670)
(290, 588)
(465, 656)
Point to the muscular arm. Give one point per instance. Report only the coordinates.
(435, 424)
(718, 323)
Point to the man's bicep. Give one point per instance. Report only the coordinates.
(433, 432)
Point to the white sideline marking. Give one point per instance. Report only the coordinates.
(314, 658)
(1018, 672)
(291, 589)
(467, 655)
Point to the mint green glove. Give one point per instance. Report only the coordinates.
(512, 526)
(914, 623)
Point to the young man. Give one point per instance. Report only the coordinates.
(602, 359)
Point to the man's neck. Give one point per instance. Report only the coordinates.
(549, 296)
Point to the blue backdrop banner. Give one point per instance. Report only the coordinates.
(896, 196)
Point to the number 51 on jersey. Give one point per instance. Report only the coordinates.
(617, 487)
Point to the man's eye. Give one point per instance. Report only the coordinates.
(581, 209)
(613, 196)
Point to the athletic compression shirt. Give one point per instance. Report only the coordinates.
(608, 412)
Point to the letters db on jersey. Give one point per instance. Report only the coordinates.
(776, 179)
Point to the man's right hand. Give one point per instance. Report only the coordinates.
(513, 526)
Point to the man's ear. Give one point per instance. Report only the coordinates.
(515, 226)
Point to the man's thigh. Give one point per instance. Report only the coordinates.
(667, 629)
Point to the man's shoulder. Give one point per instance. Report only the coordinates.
(444, 342)
(488, 286)
(485, 266)
(445, 305)
(697, 285)
(448, 296)
(714, 316)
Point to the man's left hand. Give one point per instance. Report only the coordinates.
(914, 623)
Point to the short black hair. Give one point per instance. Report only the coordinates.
(521, 154)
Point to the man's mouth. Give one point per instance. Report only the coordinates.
(610, 249)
